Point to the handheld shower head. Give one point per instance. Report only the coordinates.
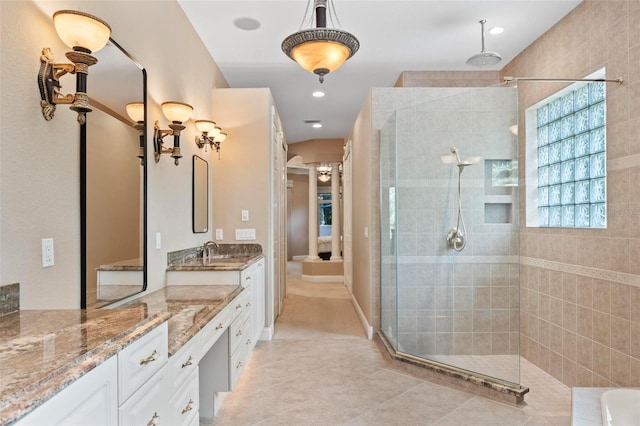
(454, 150)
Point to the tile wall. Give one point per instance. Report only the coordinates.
(581, 288)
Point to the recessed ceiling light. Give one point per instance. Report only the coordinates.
(496, 30)
(246, 24)
(318, 94)
(316, 125)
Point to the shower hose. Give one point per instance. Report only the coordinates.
(458, 242)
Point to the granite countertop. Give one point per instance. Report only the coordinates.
(217, 263)
(43, 351)
(123, 265)
(191, 308)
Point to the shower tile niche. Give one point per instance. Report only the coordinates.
(500, 184)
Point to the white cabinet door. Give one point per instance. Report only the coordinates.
(258, 302)
(90, 400)
(149, 405)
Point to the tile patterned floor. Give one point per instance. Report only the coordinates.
(325, 380)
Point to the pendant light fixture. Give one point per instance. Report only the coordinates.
(484, 58)
(320, 50)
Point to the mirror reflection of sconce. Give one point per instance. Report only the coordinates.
(177, 113)
(85, 34)
(211, 135)
(135, 110)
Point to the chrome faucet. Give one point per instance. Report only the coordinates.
(206, 248)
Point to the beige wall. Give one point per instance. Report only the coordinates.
(318, 150)
(114, 204)
(245, 115)
(39, 176)
(365, 248)
(447, 78)
(580, 295)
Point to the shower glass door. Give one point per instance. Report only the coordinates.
(455, 175)
(388, 240)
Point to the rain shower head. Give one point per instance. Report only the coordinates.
(484, 58)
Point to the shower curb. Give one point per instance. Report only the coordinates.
(450, 376)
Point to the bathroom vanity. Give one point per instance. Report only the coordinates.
(165, 358)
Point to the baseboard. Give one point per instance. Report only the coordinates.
(363, 319)
(323, 278)
(300, 257)
(267, 333)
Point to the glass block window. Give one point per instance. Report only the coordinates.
(571, 143)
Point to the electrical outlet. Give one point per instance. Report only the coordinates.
(219, 234)
(158, 241)
(47, 252)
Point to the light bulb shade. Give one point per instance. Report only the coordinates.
(220, 137)
(324, 178)
(135, 111)
(79, 29)
(320, 48)
(215, 132)
(323, 169)
(205, 126)
(177, 112)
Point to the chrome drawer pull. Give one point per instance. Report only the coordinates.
(238, 306)
(239, 333)
(219, 326)
(189, 407)
(188, 363)
(248, 341)
(154, 419)
(248, 304)
(239, 364)
(149, 359)
(247, 278)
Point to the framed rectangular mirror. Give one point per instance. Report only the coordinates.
(200, 195)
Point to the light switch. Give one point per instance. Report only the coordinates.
(245, 215)
(47, 252)
(366, 232)
(158, 241)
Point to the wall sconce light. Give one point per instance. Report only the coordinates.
(85, 34)
(211, 135)
(177, 113)
(135, 110)
(324, 173)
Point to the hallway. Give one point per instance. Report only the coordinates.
(321, 370)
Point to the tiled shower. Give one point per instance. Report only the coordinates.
(459, 308)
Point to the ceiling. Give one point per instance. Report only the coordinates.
(394, 36)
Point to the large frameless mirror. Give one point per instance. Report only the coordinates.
(113, 179)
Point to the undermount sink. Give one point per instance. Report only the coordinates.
(219, 256)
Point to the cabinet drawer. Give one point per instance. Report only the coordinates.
(239, 331)
(147, 406)
(241, 303)
(211, 332)
(184, 403)
(183, 363)
(140, 360)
